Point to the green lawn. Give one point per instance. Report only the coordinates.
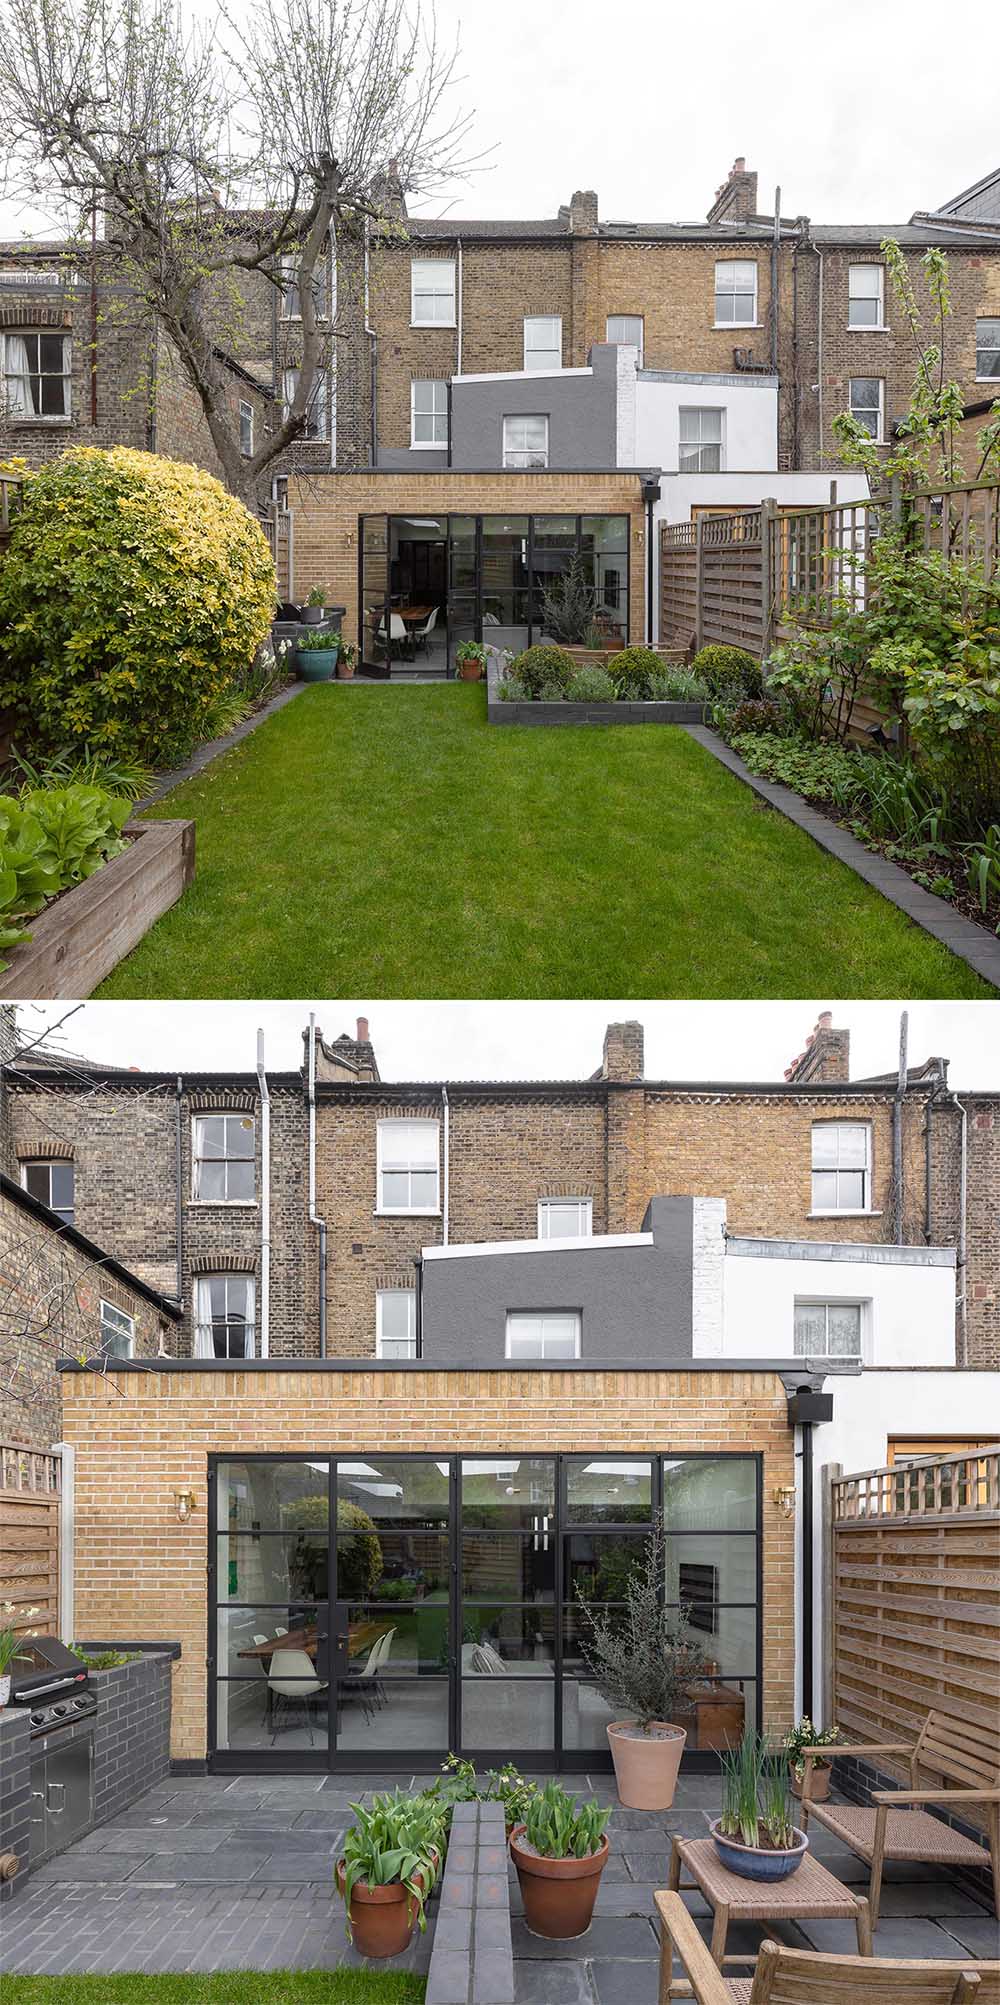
(238, 1987)
(386, 841)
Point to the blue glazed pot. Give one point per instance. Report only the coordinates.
(754, 1863)
(316, 664)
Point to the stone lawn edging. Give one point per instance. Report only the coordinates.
(472, 1959)
(214, 748)
(969, 942)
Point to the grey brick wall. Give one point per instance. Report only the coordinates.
(15, 1793)
(471, 1956)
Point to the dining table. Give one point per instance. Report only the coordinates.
(413, 616)
(360, 1636)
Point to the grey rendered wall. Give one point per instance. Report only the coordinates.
(635, 1301)
(582, 412)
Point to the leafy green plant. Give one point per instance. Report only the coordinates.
(819, 772)
(982, 867)
(632, 673)
(728, 673)
(543, 665)
(569, 604)
(68, 767)
(591, 684)
(552, 692)
(317, 596)
(673, 683)
(318, 640)
(804, 1735)
(471, 650)
(753, 714)
(755, 1798)
(559, 1827)
(133, 591)
(399, 1839)
(104, 1660)
(50, 839)
(513, 690)
(504, 1785)
(640, 1657)
(13, 1635)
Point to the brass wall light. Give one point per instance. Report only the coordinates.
(784, 1497)
(183, 1505)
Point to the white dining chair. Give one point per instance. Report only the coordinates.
(381, 1655)
(420, 634)
(361, 1684)
(292, 1680)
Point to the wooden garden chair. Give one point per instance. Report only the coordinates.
(896, 1825)
(807, 1977)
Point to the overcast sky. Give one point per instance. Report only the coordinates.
(546, 1040)
(856, 111)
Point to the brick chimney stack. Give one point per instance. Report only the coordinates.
(826, 1059)
(623, 1052)
(736, 200)
(583, 213)
(346, 1059)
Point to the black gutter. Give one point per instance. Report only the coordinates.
(106, 1261)
(794, 1378)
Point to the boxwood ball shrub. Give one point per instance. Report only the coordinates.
(544, 666)
(728, 673)
(632, 673)
(134, 592)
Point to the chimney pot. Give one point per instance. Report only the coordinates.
(826, 1058)
(362, 1030)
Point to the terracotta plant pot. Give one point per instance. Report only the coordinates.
(646, 1763)
(470, 671)
(558, 1894)
(819, 1788)
(345, 671)
(759, 1862)
(382, 1918)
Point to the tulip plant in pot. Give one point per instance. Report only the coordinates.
(643, 1664)
(559, 1852)
(756, 1836)
(392, 1857)
(346, 660)
(317, 656)
(313, 610)
(806, 1735)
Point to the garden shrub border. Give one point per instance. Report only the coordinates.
(565, 712)
(83, 934)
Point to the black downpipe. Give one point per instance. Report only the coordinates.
(418, 1320)
(178, 1196)
(649, 572)
(807, 1571)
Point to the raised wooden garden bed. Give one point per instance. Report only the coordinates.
(86, 931)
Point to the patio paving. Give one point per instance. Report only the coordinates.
(221, 1873)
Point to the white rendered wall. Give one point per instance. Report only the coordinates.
(908, 1317)
(749, 424)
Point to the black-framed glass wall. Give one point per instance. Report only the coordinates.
(393, 1607)
(426, 583)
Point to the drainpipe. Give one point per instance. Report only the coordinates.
(458, 315)
(444, 1204)
(819, 351)
(807, 1571)
(928, 1131)
(963, 1187)
(418, 1320)
(265, 1201)
(314, 1218)
(650, 494)
(178, 1193)
(897, 1129)
(775, 258)
(373, 344)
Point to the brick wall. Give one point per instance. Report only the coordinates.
(50, 1307)
(139, 1572)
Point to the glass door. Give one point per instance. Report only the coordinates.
(374, 624)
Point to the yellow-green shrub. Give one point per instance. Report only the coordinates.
(133, 592)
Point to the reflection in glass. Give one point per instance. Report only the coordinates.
(252, 1714)
(554, 531)
(604, 532)
(599, 1565)
(272, 1566)
(505, 1712)
(272, 1496)
(411, 1713)
(509, 1567)
(728, 1636)
(609, 1489)
(708, 1493)
(728, 1564)
(413, 1640)
(249, 1637)
(585, 1714)
(514, 1635)
(506, 1491)
(391, 1566)
(396, 1492)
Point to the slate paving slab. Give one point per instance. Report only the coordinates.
(979, 1934)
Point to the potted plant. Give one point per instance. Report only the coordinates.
(392, 1855)
(559, 1852)
(643, 1664)
(504, 1785)
(755, 1835)
(470, 660)
(317, 656)
(346, 660)
(11, 1639)
(312, 611)
(806, 1735)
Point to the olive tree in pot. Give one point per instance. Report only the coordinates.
(392, 1856)
(559, 1852)
(643, 1664)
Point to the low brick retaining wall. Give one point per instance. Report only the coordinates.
(131, 1734)
(498, 712)
(472, 1961)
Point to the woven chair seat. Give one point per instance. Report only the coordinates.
(910, 1834)
(739, 1989)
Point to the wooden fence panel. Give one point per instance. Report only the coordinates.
(915, 1587)
(30, 1497)
(732, 597)
(678, 584)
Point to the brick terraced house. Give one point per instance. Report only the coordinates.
(503, 395)
(443, 1350)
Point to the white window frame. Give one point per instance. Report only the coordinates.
(119, 1324)
(421, 289)
(993, 349)
(585, 1214)
(551, 353)
(865, 1170)
(290, 301)
(700, 445)
(410, 1340)
(878, 438)
(525, 458)
(541, 1317)
(866, 326)
(620, 340)
(50, 1163)
(204, 1346)
(419, 1164)
(826, 1303)
(8, 376)
(246, 424)
(434, 383)
(197, 1158)
(731, 288)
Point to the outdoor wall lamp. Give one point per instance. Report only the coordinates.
(784, 1497)
(183, 1505)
